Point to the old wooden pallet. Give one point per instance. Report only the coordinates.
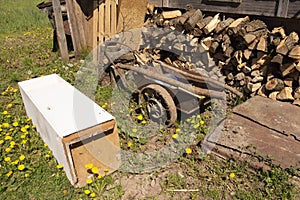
(260, 127)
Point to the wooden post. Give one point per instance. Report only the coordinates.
(61, 37)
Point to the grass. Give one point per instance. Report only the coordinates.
(29, 171)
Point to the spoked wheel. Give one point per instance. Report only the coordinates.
(158, 104)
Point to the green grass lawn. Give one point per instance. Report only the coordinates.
(27, 167)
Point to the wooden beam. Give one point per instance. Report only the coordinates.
(61, 37)
(283, 7)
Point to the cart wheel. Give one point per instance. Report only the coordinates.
(159, 104)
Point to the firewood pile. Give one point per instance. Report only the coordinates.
(252, 58)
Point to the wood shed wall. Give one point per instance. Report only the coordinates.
(272, 8)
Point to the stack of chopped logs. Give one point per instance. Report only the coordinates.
(252, 58)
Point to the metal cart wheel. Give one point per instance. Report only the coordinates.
(159, 104)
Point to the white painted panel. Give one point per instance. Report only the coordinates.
(65, 108)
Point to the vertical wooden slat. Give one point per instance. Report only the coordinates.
(80, 20)
(283, 7)
(61, 37)
(73, 27)
(101, 23)
(113, 17)
(95, 34)
(107, 19)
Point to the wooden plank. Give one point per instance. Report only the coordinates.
(280, 116)
(73, 27)
(238, 134)
(101, 31)
(113, 17)
(283, 7)
(95, 27)
(107, 19)
(80, 21)
(61, 37)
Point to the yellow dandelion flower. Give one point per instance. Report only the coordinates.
(15, 162)
(1, 141)
(201, 122)
(87, 192)
(9, 105)
(140, 117)
(129, 144)
(5, 112)
(177, 130)
(15, 90)
(22, 157)
(193, 122)
(9, 173)
(12, 143)
(196, 126)
(144, 122)
(15, 124)
(92, 194)
(26, 175)
(23, 129)
(231, 175)
(95, 170)
(105, 170)
(103, 106)
(89, 181)
(23, 136)
(89, 166)
(8, 137)
(175, 136)
(134, 130)
(47, 156)
(5, 125)
(188, 150)
(24, 141)
(198, 117)
(99, 176)
(33, 127)
(7, 159)
(59, 166)
(45, 145)
(21, 167)
(28, 119)
(7, 150)
(27, 127)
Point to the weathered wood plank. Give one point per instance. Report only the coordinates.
(61, 37)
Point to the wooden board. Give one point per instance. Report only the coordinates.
(260, 127)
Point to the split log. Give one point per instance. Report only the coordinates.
(233, 28)
(287, 68)
(285, 94)
(262, 45)
(277, 59)
(296, 102)
(288, 82)
(255, 25)
(275, 84)
(273, 95)
(212, 24)
(223, 24)
(171, 14)
(295, 52)
(201, 24)
(193, 20)
(253, 87)
(287, 44)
